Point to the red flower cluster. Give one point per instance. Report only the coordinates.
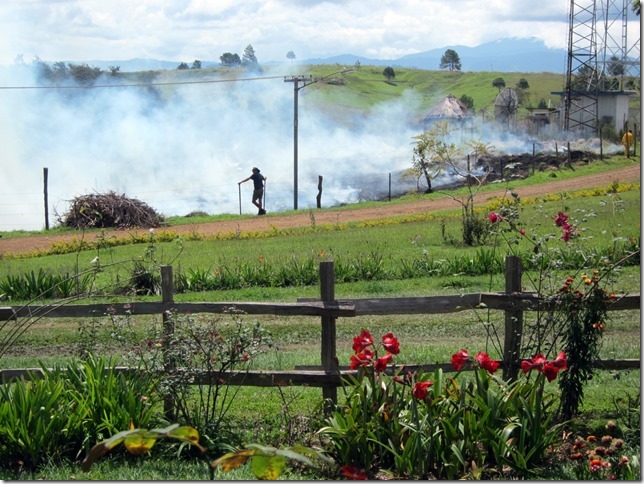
(365, 357)
(420, 389)
(353, 472)
(495, 218)
(561, 220)
(481, 359)
(548, 368)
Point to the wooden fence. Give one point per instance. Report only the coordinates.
(513, 302)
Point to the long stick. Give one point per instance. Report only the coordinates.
(264, 204)
(239, 186)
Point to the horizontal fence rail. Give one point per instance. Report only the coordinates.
(329, 375)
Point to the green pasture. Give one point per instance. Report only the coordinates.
(275, 415)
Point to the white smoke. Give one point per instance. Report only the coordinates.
(183, 148)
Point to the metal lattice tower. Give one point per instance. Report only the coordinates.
(600, 58)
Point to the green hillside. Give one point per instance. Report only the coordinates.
(366, 86)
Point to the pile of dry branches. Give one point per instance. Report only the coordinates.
(110, 210)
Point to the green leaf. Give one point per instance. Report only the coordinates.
(268, 468)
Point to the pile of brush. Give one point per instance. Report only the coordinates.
(110, 210)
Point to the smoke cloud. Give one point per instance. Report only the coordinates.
(183, 148)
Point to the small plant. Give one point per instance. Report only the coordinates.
(267, 463)
(602, 458)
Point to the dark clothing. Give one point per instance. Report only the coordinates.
(258, 180)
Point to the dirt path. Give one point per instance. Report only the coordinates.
(303, 218)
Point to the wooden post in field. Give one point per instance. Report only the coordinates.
(329, 357)
(45, 173)
(167, 298)
(318, 199)
(513, 320)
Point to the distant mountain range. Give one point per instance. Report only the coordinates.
(502, 55)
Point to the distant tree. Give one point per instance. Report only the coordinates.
(84, 74)
(230, 60)
(357, 64)
(249, 58)
(467, 101)
(114, 70)
(523, 84)
(636, 7)
(183, 66)
(196, 64)
(499, 83)
(615, 66)
(20, 59)
(389, 73)
(543, 104)
(290, 55)
(450, 60)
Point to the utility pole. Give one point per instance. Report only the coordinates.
(296, 87)
(305, 80)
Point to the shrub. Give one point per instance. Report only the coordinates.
(424, 426)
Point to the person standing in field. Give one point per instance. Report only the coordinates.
(258, 190)
(627, 141)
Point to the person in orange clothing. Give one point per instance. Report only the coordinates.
(627, 141)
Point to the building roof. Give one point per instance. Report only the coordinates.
(448, 108)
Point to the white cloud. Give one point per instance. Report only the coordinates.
(204, 29)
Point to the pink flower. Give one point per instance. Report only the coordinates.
(495, 217)
(420, 389)
(362, 341)
(458, 359)
(485, 362)
(522, 232)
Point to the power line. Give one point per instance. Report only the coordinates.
(148, 84)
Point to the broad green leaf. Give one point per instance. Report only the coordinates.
(141, 442)
(268, 468)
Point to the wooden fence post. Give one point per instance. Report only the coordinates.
(329, 357)
(513, 320)
(167, 298)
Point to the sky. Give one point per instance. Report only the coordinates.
(185, 30)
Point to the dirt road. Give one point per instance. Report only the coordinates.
(303, 218)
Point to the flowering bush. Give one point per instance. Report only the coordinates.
(602, 458)
(427, 425)
(575, 314)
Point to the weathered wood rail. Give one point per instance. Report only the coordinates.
(328, 375)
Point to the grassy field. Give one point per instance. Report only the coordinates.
(266, 413)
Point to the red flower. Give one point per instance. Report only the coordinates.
(390, 342)
(381, 363)
(495, 217)
(548, 368)
(362, 341)
(361, 359)
(420, 389)
(561, 219)
(485, 362)
(550, 371)
(459, 358)
(560, 362)
(522, 231)
(537, 363)
(354, 473)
